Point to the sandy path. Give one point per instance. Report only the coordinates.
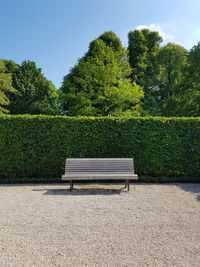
(152, 225)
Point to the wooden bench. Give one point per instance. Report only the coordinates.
(99, 169)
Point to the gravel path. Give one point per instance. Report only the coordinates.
(152, 225)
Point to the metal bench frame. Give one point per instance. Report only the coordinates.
(99, 169)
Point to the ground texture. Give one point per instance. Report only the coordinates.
(152, 225)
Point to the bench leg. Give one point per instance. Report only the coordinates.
(127, 184)
(71, 185)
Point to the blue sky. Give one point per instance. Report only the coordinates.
(55, 33)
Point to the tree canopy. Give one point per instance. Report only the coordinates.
(194, 67)
(169, 74)
(146, 78)
(99, 85)
(143, 47)
(5, 87)
(35, 94)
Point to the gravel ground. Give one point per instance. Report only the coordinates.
(100, 225)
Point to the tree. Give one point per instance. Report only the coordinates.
(184, 95)
(98, 84)
(172, 62)
(137, 50)
(143, 48)
(35, 94)
(194, 67)
(5, 87)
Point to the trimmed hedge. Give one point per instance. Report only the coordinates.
(36, 146)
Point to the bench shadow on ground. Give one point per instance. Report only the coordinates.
(191, 188)
(81, 191)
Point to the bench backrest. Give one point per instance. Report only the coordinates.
(114, 165)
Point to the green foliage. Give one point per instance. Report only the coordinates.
(36, 146)
(109, 80)
(179, 89)
(5, 87)
(185, 104)
(112, 40)
(10, 65)
(137, 54)
(194, 67)
(35, 94)
(98, 84)
(143, 47)
(172, 62)
(168, 74)
(189, 101)
(109, 39)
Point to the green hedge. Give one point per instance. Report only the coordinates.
(36, 146)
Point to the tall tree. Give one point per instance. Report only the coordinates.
(143, 48)
(98, 84)
(172, 62)
(194, 67)
(172, 66)
(36, 94)
(184, 99)
(5, 87)
(137, 50)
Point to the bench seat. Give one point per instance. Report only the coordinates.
(99, 176)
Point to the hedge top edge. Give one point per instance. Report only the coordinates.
(96, 118)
